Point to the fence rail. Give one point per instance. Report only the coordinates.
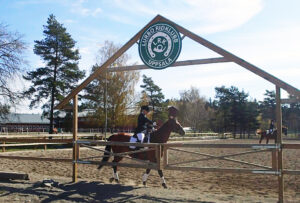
(164, 149)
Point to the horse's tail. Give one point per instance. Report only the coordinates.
(106, 154)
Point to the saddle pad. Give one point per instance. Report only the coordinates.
(132, 140)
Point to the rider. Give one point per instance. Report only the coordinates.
(148, 131)
(271, 128)
(143, 122)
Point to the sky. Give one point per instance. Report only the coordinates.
(262, 32)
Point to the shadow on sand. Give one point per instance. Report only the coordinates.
(83, 192)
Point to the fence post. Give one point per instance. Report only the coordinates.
(158, 156)
(75, 128)
(3, 148)
(279, 141)
(274, 159)
(165, 156)
(78, 151)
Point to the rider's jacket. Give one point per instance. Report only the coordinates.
(142, 123)
(271, 129)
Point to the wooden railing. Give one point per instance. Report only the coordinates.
(274, 149)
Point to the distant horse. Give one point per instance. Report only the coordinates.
(265, 134)
(159, 136)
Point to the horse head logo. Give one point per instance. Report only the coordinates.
(159, 43)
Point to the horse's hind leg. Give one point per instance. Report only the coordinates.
(261, 138)
(145, 176)
(163, 181)
(115, 170)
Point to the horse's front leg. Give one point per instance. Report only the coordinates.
(145, 176)
(163, 181)
(115, 170)
(115, 176)
(261, 138)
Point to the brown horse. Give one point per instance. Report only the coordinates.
(264, 134)
(159, 136)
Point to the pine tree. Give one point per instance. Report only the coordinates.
(155, 98)
(232, 107)
(268, 106)
(51, 83)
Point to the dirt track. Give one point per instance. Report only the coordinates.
(190, 186)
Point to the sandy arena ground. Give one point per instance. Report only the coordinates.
(183, 186)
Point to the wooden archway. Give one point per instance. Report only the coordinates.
(226, 57)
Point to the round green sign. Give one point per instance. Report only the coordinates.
(160, 45)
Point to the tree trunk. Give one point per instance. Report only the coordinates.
(52, 108)
(53, 96)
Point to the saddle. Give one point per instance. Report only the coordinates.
(271, 132)
(135, 139)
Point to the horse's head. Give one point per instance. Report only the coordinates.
(176, 127)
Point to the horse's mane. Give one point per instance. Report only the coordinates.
(162, 134)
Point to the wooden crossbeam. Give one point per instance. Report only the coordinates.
(149, 165)
(227, 55)
(225, 170)
(290, 101)
(31, 140)
(13, 176)
(177, 63)
(27, 144)
(194, 145)
(292, 90)
(35, 158)
(105, 65)
(219, 157)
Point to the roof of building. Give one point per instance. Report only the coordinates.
(24, 118)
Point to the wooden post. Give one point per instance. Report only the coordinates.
(77, 148)
(75, 128)
(165, 156)
(3, 148)
(279, 141)
(274, 159)
(45, 147)
(158, 156)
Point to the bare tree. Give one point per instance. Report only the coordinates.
(12, 63)
(193, 110)
(111, 94)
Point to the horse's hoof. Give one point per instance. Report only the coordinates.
(164, 185)
(144, 183)
(117, 180)
(111, 180)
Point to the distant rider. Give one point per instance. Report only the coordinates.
(271, 129)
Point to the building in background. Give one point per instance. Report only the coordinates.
(15, 122)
